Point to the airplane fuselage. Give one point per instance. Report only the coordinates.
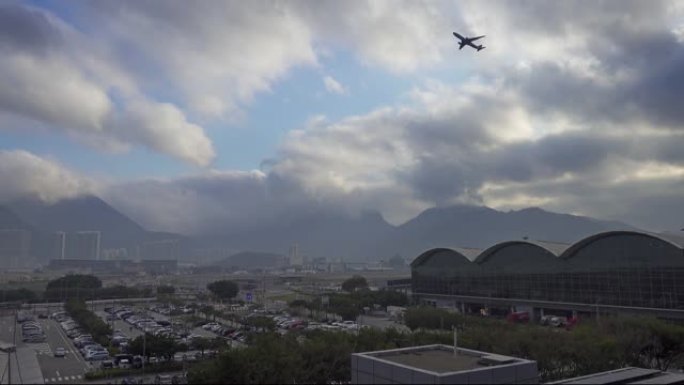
(468, 41)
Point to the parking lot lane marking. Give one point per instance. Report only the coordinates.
(58, 375)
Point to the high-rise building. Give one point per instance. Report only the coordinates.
(77, 245)
(59, 245)
(15, 246)
(296, 259)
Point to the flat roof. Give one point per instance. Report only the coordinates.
(628, 375)
(436, 360)
(441, 358)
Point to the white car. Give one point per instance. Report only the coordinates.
(60, 352)
(209, 325)
(97, 355)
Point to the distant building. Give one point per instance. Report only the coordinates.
(114, 254)
(76, 245)
(610, 272)
(168, 249)
(125, 266)
(296, 259)
(59, 245)
(90, 265)
(169, 266)
(15, 246)
(439, 364)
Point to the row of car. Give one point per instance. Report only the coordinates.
(31, 330)
(142, 322)
(84, 342)
(227, 332)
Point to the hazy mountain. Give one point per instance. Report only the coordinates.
(318, 233)
(83, 214)
(481, 227)
(11, 221)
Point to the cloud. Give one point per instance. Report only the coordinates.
(28, 175)
(401, 36)
(573, 106)
(214, 56)
(333, 86)
(55, 75)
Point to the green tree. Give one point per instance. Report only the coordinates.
(224, 289)
(354, 283)
(78, 310)
(166, 289)
(158, 346)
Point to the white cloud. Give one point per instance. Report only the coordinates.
(27, 175)
(333, 86)
(54, 74)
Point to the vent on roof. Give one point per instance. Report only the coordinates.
(495, 359)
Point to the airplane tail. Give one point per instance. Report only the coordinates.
(480, 48)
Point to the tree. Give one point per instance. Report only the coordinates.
(354, 283)
(72, 281)
(158, 346)
(224, 289)
(166, 289)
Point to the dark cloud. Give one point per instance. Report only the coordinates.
(23, 28)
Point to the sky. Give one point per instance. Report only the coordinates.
(224, 112)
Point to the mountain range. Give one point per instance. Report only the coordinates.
(318, 234)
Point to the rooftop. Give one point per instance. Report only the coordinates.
(441, 358)
(627, 375)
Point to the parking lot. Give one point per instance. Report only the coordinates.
(37, 363)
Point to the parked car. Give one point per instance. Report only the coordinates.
(34, 338)
(107, 364)
(97, 356)
(60, 352)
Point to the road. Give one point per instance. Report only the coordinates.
(65, 369)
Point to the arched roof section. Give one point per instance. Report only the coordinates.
(443, 262)
(522, 256)
(455, 255)
(669, 239)
(624, 250)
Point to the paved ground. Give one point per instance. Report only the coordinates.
(65, 369)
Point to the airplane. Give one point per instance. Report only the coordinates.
(464, 41)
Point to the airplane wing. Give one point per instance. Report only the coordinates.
(475, 38)
(459, 36)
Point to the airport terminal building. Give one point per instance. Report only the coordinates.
(625, 271)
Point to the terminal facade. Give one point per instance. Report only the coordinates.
(618, 271)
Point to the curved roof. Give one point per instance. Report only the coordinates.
(555, 249)
(673, 240)
(464, 253)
